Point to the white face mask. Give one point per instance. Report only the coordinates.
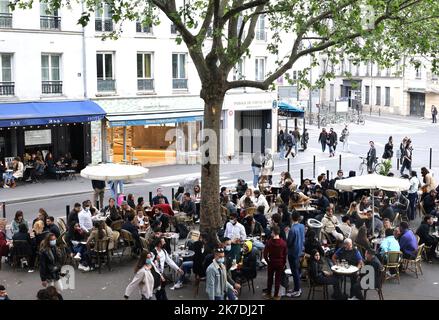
(52, 243)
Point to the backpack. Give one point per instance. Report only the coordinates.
(289, 140)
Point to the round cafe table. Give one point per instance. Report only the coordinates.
(172, 236)
(344, 273)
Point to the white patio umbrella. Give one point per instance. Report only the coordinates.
(113, 172)
(373, 182)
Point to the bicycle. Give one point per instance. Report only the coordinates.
(377, 167)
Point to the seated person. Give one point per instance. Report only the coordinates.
(331, 225)
(254, 229)
(371, 260)
(365, 204)
(159, 195)
(141, 220)
(188, 206)
(362, 239)
(250, 199)
(322, 203)
(311, 243)
(348, 253)
(23, 235)
(424, 236)
(387, 211)
(102, 231)
(241, 187)
(376, 222)
(389, 243)
(430, 203)
(125, 210)
(76, 239)
(319, 276)
(260, 217)
(407, 241)
(286, 191)
(264, 184)
(260, 200)
(129, 226)
(346, 226)
(164, 207)
(52, 227)
(306, 188)
(246, 268)
(163, 218)
(231, 207)
(297, 200)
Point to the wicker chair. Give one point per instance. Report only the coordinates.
(414, 265)
(20, 249)
(100, 252)
(392, 262)
(127, 242)
(378, 289)
(117, 225)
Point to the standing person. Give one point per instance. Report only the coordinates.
(401, 150)
(322, 139)
(345, 138)
(50, 263)
(289, 143)
(146, 277)
(113, 189)
(305, 139)
(275, 254)
(99, 191)
(434, 113)
(281, 144)
(217, 285)
(256, 167)
(296, 135)
(428, 181)
(407, 157)
(371, 156)
(296, 239)
(388, 149)
(332, 142)
(413, 194)
(268, 166)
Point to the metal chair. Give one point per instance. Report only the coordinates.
(127, 241)
(145, 244)
(392, 262)
(62, 225)
(71, 172)
(312, 289)
(20, 249)
(414, 263)
(379, 289)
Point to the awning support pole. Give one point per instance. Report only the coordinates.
(124, 143)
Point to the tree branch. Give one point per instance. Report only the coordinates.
(206, 23)
(243, 7)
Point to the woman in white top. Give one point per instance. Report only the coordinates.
(413, 194)
(248, 193)
(143, 278)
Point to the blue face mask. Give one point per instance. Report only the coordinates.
(228, 247)
(220, 260)
(148, 261)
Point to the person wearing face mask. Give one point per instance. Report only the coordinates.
(246, 268)
(160, 258)
(146, 278)
(50, 263)
(217, 286)
(236, 232)
(85, 220)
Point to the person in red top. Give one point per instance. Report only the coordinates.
(166, 208)
(4, 243)
(275, 254)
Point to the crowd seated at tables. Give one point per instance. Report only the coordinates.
(263, 229)
(32, 167)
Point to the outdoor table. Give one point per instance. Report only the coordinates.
(172, 236)
(9, 170)
(305, 209)
(99, 218)
(344, 273)
(185, 254)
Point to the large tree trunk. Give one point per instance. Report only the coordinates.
(210, 216)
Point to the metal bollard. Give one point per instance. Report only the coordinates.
(150, 198)
(67, 212)
(4, 209)
(172, 193)
(327, 174)
(288, 165)
(339, 162)
(431, 156)
(397, 164)
(301, 176)
(97, 205)
(314, 166)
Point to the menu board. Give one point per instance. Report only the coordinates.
(37, 137)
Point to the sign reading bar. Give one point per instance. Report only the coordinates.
(37, 137)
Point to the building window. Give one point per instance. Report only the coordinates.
(51, 74)
(368, 69)
(49, 19)
(388, 72)
(342, 67)
(145, 81)
(5, 14)
(378, 74)
(103, 18)
(179, 74)
(331, 92)
(143, 28)
(294, 75)
(357, 70)
(366, 95)
(418, 73)
(238, 71)
(105, 72)
(387, 100)
(6, 85)
(260, 69)
(378, 96)
(350, 66)
(260, 28)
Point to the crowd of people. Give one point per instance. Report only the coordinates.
(33, 167)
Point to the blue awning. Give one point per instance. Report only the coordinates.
(290, 111)
(44, 113)
(154, 119)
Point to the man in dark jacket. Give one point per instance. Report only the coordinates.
(424, 236)
(73, 215)
(429, 203)
(50, 262)
(159, 195)
(322, 139)
(260, 217)
(387, 211)
(53, 228)
(290, 142)
(322, 203)
(252, 227)
(371, 156)
(188, 206)
(332, 142)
